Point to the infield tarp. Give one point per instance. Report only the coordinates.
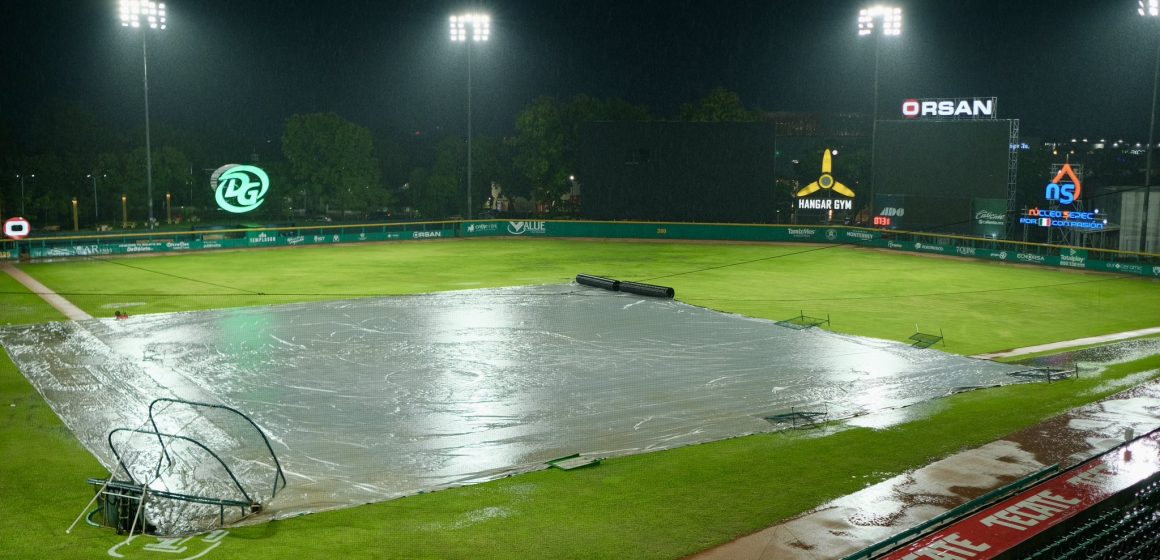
(370, 399)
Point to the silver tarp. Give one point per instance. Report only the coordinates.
(370, 399)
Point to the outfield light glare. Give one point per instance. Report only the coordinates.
(891, 19)
(480, 27)
(135, 13)
(1149, 8)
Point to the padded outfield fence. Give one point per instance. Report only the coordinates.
(1103, 260)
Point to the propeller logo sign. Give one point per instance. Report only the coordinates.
(239, 188)
(826, 182)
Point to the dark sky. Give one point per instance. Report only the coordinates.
(1065, 67)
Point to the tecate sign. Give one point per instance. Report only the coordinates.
(967, 108)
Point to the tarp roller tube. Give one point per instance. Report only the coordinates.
(598, 282)
(647, 290)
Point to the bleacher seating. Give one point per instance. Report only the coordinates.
(1128, 532)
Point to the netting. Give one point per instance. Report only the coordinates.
(200, 465)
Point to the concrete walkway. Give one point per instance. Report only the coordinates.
(1065, 344)
(851, 523)
(59, 303)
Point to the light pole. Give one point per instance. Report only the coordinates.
(135, 14)
(887, 20)
(21, 177)
(1151, 8)
(96, 212)
(480, 31)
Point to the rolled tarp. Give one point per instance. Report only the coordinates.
(598, 282)
(647, 290)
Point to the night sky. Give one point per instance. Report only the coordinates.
(1065, 67)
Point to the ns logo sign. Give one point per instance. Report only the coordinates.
(1064, 192)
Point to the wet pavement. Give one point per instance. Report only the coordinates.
(371, 399)
(851, 523)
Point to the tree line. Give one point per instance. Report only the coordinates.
(325, 165)
(321, 165)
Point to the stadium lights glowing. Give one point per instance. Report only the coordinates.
(135, 13)
(480, 27)
(891, 19)
(1149, 8)
(480, 33)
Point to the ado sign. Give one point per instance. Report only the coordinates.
(17, 228)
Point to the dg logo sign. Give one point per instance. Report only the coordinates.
(239, 188)
(17, 228)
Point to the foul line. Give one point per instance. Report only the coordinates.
(1069, 343)
(65, 306)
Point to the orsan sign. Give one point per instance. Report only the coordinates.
(956, 108)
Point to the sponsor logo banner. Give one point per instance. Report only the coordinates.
(891, 210)
(955, 108)
(527, 228)
(999, 528)
(239, 188)
(802, 233)
(481, 228)
(990, 217)
(858, 236)
(1076, 258)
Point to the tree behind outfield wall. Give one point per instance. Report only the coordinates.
(719, 105)
(332, 162)
(547, 138)
(123, 173)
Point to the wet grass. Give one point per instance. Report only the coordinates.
(978, 306)
(19, 305)
(659, 505)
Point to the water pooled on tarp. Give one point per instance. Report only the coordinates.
(376, 398)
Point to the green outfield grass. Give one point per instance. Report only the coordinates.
(979, 306)
(658, 505)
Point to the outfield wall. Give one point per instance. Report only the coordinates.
(1103, 260)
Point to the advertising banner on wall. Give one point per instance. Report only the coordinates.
(989, 217)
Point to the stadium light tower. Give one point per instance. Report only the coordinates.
(480, 25)
(96, 212)
(21, 176)
(151, 15)
(1149, 9)
(877, 20)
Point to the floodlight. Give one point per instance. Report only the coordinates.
(134, 13)
(137, 14)
(891, 17)
(480, 27)
(480, 32)
(891, 20)
(1149, 8)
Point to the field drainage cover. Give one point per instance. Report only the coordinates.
(372, 399)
